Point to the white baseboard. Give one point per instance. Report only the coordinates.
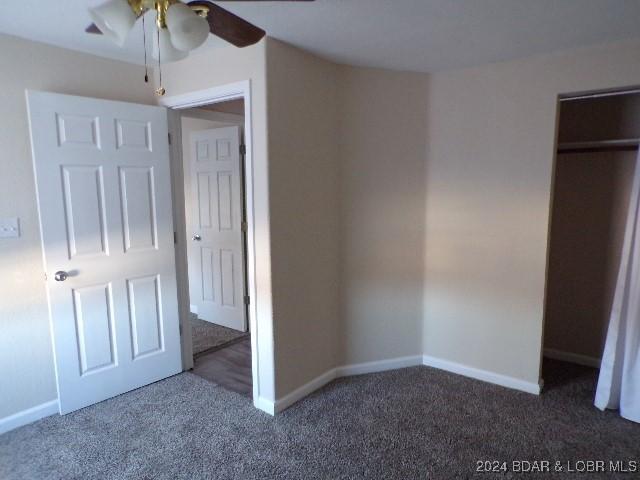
(268, 406)
(27, 416)
(378, 366)
(572, 357)
(392, 364)
(344, 371)
(304, 390)
(265, 405)
(484, 375)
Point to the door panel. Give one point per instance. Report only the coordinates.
(204, 200)
(94, 324)
(207, 274)
(133, 135)
(225, 201)
(227, 284)
(146, 323)
(104, 200)
(84, 210)
(77, 131)
(137, 197)
(217, 257)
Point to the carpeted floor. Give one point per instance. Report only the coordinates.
(208, 336)
(415, 423)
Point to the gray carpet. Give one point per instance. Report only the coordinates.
(208, 336)
(415, 423)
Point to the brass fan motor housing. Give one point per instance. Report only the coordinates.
(139, 7)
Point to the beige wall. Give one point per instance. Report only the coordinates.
(590, 203)
(235, 107)
(490, 152)
(346, 150)
(383, 117)
(304, 200)
(26, 363)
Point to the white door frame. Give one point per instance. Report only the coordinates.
(218, 94)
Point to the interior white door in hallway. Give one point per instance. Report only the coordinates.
(104, 199)
(217, 253)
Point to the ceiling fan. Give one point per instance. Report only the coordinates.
(181, 27)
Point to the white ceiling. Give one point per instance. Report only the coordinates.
(418, 35)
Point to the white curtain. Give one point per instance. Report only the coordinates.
(619, 381)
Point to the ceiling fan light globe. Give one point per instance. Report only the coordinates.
(114, 19)
(168, 53)
(188, 30)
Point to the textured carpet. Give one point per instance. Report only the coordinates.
(208, 336)
(415, 423)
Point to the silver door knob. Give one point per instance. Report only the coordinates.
(196, 237)
(61, 276)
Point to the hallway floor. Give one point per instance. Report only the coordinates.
(229, 367)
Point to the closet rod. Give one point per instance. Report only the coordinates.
(598, 94)
(626, 145)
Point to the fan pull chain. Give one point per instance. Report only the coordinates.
(144, 44)
(160, 91)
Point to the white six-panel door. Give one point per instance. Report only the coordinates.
(104, 199)
(217, 247)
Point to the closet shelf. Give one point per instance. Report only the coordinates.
(627, 144)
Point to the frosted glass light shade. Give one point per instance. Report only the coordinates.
(114, 19)
(168, 53)
(188, 30)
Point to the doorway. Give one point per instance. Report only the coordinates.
(595, 160)
(229, 106)
(215, 213)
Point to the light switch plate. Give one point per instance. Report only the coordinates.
(9, 227)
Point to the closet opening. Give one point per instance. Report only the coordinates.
(597, 149)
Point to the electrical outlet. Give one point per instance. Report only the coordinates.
(9, 228)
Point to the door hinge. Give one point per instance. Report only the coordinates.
(180, 329)
(45, 276)
(247, 299)
(244, 226)
(243, 149)
(175, 237)
(169, 137)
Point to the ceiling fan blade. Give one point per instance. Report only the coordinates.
(93, 29)
(229, 26)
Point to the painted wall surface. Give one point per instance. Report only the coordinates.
(27, 376)
(491, 133)
(304, 199)
(588, 222)
(383, 125)
(221, 67)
